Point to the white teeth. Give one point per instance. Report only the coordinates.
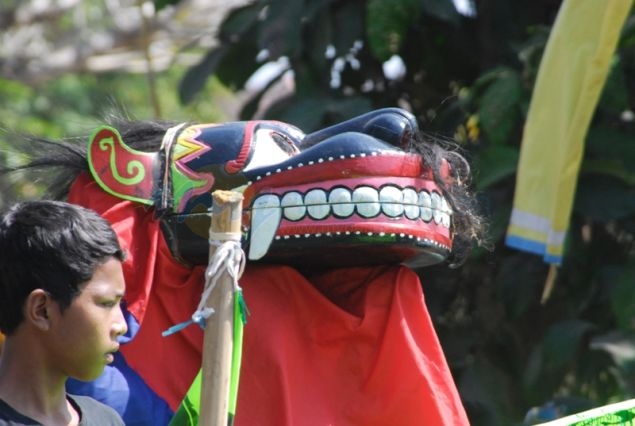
(294, 208)
(391, 199)
(316, 204)
(340, 201)
(268, 209)
(411, 209)
(366, 201)
(425, 204)
(436, 207)
(265, 218)
(447, 213)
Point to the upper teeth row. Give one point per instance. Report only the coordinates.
(366, 201)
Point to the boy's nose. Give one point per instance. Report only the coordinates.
(120, 326)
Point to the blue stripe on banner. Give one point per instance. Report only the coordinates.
(532, 246)
(552, 258)
(524, 244)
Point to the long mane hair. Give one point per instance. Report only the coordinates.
(55, 164)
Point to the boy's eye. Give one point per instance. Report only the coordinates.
(109, 304)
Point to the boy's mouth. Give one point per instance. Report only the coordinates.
(110, 355)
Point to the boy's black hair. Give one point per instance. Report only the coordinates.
(50, 245)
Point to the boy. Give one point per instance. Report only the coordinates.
(61, 283)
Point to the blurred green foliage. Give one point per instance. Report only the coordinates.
(75, 104)
(468, 78)
(471, 78)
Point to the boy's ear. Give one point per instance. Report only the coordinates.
(37, 307)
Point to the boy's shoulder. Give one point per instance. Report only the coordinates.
(10, 417)
(94, 412)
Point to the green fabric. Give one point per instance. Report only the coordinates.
(621, 413)
(187, 414)
(240, 319)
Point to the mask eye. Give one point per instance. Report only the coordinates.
(285, 143)
(270, 148)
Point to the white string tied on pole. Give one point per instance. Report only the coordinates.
(228, 257)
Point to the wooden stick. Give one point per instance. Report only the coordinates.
(217, 342)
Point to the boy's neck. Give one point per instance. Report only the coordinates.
(29, 388)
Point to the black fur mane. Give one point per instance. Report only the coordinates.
(55, 164)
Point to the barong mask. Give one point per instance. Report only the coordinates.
(349, 194)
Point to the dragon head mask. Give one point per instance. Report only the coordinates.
(351, 194)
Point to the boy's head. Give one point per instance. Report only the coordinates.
(53, 246)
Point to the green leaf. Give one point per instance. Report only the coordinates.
(561, 343)
(348, 25)
(612, 168)
(160, 4)
(441, 9)
(531, 50)
(623, 298)
(498, 107)
(239, 21)
(610, 143)
(519, 282)
(281, 31)
(313, 113)
(533, 368)
(195, 78)
(604, 199)
(318, 35)
(387, 23)
(495, 164)
(614, 95)
(484, 80)
(485, 386)
(238, 63)
(339, 109)
(305, 113)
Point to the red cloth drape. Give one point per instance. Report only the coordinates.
(352, 346)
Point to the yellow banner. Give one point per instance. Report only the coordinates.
(572, 72)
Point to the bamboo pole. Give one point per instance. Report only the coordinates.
(217, 342)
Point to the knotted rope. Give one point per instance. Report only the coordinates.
(228, 257)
